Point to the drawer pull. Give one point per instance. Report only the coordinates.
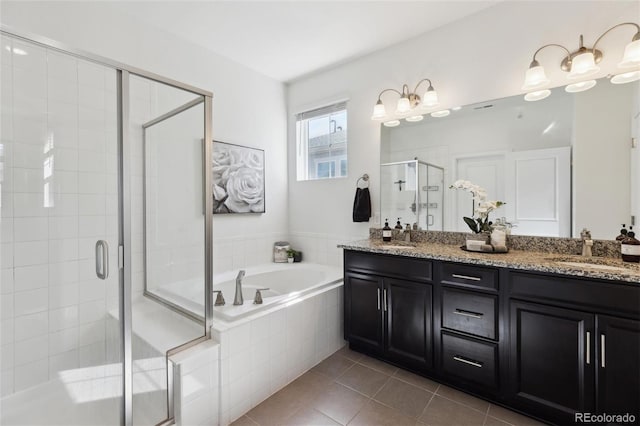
(602, 346)
(588, 348)
(466, 361)
(378, 290)
(384, 299)
(466, 277)
(468, 313)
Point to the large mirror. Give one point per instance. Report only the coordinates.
(560, 164)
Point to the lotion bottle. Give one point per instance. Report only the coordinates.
(630, 248)
(386, 231)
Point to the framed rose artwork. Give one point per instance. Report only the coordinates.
(238, 179)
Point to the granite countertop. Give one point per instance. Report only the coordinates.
(607, 268)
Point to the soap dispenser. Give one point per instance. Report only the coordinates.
(623, 233)
(386, 231)
(398, 225)
(630, 247)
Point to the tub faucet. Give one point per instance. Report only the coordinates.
(238, 300)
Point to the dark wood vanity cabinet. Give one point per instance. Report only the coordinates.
(547, 345)
(573, 352)
(387, 316)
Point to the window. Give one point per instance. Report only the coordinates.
(321, 143)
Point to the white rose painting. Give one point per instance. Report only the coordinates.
(238, 179)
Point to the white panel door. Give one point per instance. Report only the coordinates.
(538, 193)
(486, 171)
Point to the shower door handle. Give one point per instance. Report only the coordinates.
(102, 259)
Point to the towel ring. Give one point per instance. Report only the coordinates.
(365, 178)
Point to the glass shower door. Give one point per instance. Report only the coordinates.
(61, 348)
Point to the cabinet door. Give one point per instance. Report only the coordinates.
(618, 364)
(551, 361)
(363, 311)
(408, 322)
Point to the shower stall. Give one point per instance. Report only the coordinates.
(411, 192)
(103, 186)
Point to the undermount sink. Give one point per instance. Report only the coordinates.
(594, 266)
(596, 263)
(398, 246)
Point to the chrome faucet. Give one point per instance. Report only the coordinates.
(238, 300)
(587, 242)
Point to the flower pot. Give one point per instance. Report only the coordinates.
(474, 242)
(297, 257)
(290, 259)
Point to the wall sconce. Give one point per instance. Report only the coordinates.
(409, 105)
(580, 65)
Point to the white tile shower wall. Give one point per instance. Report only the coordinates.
(259, 357)
(58, 168)
(196, 388)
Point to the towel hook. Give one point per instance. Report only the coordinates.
(365, 178)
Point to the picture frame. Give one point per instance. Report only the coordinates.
(238, 179)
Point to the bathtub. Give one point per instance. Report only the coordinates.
(285, 282)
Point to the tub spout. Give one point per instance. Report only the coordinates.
(238, 300)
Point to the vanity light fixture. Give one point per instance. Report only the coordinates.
(409, 103)
(581, 64)
(391, 123)
(442, 113)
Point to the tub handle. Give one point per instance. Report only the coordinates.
(219, 298)
(257, 300)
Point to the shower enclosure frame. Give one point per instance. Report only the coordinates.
(417, 183)
(123, 72)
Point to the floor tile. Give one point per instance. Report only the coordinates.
(414, 379)
(444, 412)
(374, 414)
(244, 421)
(378, 365)
(492, 421)
(511, 417)
(340, 403)
(333, 366)
(363, 379)
(308, 416)
(276, 408)
(348, 353)
(463, 398)
(408, 399)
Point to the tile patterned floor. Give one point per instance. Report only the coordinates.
(349, 388)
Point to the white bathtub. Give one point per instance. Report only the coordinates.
(285, 282)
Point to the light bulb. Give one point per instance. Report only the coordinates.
(442, 113)
(379, 111)
(392, 123)
(627, 77)
(537, 96)
(404, 106)
(414, 118)
(580, 87)
(430, 98)
(631, 57)
(583, 65)
(535, 78)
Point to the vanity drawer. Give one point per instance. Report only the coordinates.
(469, 312)
(469, 359)
(388, 265)
(469, 275)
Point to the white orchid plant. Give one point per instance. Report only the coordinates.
(480, 222)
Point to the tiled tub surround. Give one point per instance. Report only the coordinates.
(527, 260)
(605, 248)
(260, 354)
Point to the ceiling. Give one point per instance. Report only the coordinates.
(286, 40)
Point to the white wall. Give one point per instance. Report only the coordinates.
(602, 159)
(248, 108)
(481, 57)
